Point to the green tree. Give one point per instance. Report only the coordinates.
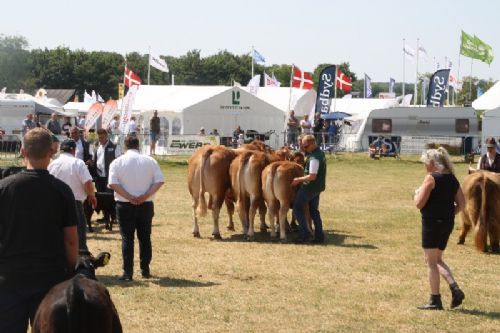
(15, 63)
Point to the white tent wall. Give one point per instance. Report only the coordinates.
(489, 100)
(231, 108)
(12, 113)
(491, 126)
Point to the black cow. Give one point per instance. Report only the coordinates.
(77, 305)
(106, 204)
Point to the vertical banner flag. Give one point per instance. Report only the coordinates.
(438, 87)
(480, 91)
(253, 84)
(127, 105)
(409, 53)
(275, 81)
(302, 80)
(392, 85)
(257, 57)
(473, 47)
(109, 110)
(157, 62)
(326, 87)
(93, 114)
(343, 81)
(121, 90)
(131, 78)
(86, 97)
(270, 81)
(368, 86)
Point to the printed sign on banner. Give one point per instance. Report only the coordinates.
(438, 88)
(187, 144)
(325, 89)
(93, 114)
(127, 105)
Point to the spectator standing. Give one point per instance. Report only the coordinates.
(305, 125)
(82, 146)
(27, 124)
(39, 245)
(154, 128)
(319, 123)
(134, 203)
(53, 124)
(66, 127)
(311, 186)
(237, 132)
(131, 127)
(491, 160)
(81, 122)
(439, 199)
(104, 153)
(292, 129)
(37, 121)
(114, 125)
(73, 172)
(202, 131)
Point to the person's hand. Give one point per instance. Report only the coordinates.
(296, 181)
(92, 200)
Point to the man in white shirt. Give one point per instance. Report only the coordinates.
(131, 126)
(114, 125)
(75, 174)
(135, 178)
(305, 125)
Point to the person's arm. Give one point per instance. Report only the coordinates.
(90, 191)
(313, 172)
(121, 191)
(459, 201)
(71, 246)
(151, 191)
(424, 191)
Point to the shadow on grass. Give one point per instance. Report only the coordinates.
(475, 312)
(112, 281)
(335, 238)
(181, 283)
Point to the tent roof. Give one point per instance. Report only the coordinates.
(173, 98)
(62, 95)
(489, 100)
(493, 113)
(279, 97)
(361, 107)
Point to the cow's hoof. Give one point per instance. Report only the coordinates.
(264, 227)
(495, 249)
(461, 242)
(217, 236)
(230, 227)
(274, 238)
(263, 230)
(250, 238)
(196, 234)
(283, 241)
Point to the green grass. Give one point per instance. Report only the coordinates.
(369, 277)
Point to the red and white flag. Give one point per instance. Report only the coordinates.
(343, 81)
(302, 80)
(131, 78)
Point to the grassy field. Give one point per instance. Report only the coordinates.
(367, 278)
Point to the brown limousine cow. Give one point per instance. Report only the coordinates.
(482, 209)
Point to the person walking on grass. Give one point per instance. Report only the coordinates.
(439, 199)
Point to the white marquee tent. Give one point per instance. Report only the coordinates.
(489, 100)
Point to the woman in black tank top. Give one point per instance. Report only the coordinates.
(439, 198)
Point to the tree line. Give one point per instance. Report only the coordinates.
(63, 68)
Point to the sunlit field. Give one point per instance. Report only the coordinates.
(369, 277)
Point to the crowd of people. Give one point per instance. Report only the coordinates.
(325, 131)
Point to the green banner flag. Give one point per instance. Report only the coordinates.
(475, 48)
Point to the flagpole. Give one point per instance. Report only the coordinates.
(470, 81)
(290, 95)
(416, 78)
(404, 83)
(335, 85)
(252, 60)
(364, 87)
(149, 63)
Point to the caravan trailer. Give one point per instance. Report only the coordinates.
(399, 124)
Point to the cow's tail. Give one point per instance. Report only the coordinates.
(75, 300)
(482, 227)
(270, 178)
(241, 174)
(202, 203)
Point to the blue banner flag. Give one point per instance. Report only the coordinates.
(437, 87)
(368, 86)
(326, 88)
(392, 85)
(479, 91)
(257, 57)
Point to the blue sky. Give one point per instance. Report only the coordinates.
(368, 34)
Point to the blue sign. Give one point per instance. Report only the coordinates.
(438, 88)
(325, 89)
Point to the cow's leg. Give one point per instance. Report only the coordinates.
(262, 215)
(466, 225)
(494, 233)
(282, 218)
(216, 206)
(243, 204)
(272, 211)
(254, 204)
(230, 212)
(196, 228)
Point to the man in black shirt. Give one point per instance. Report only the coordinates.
(39, 245)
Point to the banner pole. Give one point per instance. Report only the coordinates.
(290, 93)
(252, 62)
(149, 63)
(335, 85)
(415, 94)
(470, 81)
(403, 91)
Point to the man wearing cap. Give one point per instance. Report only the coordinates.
(135, 178)
(312, 184)
(75, 174)
(491, 160)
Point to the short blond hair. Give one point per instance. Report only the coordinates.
(309, 138)
(37, 143)
(439, 157)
